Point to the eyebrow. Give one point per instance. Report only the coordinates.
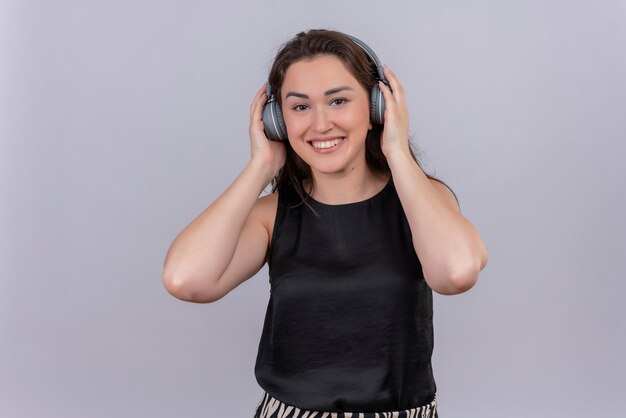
(326, 93)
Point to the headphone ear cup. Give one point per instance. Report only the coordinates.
(273, 122)
(377, 106)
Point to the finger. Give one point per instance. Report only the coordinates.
(386, 90)
(258, 97)
(391, 108)
(395, 84)
(260, 92)
(257, 103)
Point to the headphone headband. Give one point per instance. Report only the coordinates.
(370, 53)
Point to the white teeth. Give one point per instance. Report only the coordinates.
(326, 144)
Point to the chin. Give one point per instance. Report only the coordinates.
(328, 169)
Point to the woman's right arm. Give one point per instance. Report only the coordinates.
(227, 243)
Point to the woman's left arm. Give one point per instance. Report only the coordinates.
(448, 246)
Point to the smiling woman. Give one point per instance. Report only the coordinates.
(326, 111)
(355, 234)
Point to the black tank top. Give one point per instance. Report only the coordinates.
(348, 326)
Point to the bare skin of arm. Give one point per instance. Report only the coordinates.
(449, 247)
(227, 243)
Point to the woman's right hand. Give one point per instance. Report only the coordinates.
(270, 153)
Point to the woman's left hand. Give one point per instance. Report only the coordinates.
(395, 136)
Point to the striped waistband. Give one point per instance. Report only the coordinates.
(270, 407)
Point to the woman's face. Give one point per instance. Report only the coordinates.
(326, 113)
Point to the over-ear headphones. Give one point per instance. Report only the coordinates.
(273, 121)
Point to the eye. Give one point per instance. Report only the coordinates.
(299, 107)
(338, 101)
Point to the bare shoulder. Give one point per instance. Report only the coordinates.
(264, 211)
(445, 193)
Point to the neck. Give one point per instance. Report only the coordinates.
(341, 188)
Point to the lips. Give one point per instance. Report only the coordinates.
(326, 144)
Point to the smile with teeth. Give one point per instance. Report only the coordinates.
(326, 144)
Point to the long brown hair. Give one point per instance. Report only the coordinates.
(307, 45)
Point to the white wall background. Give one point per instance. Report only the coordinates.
(121, 120)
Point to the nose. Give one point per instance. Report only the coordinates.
(322, 121)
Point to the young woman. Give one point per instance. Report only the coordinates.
(355, 234)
